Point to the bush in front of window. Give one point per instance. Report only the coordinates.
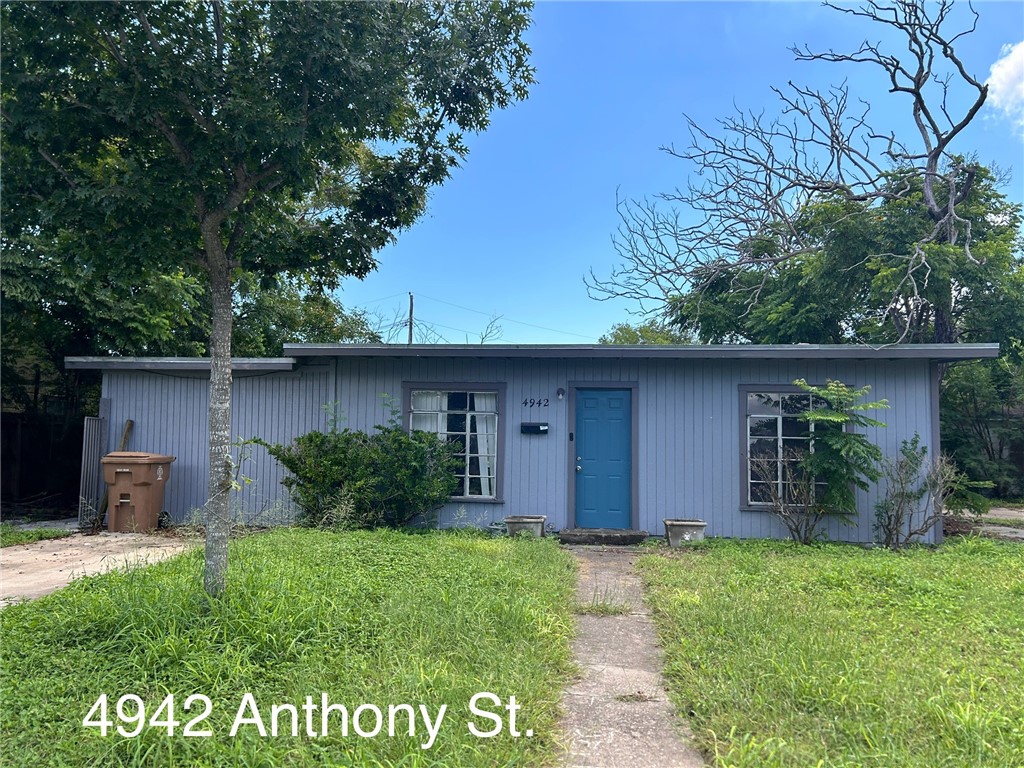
(792, 501)
(842, 457)
(822, 481)
(352, 479)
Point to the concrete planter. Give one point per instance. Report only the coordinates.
(532, 524)
(679, 532)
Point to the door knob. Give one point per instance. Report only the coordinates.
(579, 468)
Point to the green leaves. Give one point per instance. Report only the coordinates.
(353, 479)
(309, 133)
(650, 332)
(981, 424)
(291, 310)
(841, 458)
(850, 283)
(841, 406)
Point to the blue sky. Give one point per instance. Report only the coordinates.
(532, 210)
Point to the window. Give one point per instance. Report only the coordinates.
(468, 418)
(775, 439)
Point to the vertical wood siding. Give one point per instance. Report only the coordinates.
(688, 428)
(170, 417)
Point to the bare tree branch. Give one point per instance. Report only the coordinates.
(742, 214)
(492, 331)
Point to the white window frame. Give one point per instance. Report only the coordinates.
(441, 428)
(746, 439)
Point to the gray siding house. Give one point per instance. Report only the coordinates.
(591, 436)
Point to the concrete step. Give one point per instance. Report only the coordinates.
(610, 536)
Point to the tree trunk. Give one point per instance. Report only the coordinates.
(945, 333)
(942, 321)
(218, 511)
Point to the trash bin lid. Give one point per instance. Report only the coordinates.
(136, 457)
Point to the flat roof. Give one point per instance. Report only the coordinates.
(177, 363)
(294, 352)
(945, 352)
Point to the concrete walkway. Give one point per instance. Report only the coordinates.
(32, 570)
(988, 525)
(64, 524)
(618, 714)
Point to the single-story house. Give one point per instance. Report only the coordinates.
(592, 436)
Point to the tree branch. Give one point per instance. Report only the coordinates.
(58, 167)
(744, 212)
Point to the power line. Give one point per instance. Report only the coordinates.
(430, 324)
(503, 318)
(378, 301)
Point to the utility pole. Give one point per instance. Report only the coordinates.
(410, 317)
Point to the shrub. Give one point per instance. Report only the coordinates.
(919, 493)
(822, 481)
(351, 479)
(840, 457)
(794, 503)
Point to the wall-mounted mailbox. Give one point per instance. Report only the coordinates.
(533, 428)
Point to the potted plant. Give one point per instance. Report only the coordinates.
(533, 524)
(679, 532)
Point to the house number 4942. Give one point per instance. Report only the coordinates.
(539, 402)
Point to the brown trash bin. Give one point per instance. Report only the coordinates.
(135, 489)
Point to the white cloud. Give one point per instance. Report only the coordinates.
(1006, 84)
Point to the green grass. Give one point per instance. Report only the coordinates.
(781, 655)
(13, 535)
(369, 618)
(1004, 521)
(1008, 503)
(604, 602)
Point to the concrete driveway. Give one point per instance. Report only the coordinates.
(988, 525)
(33, 570)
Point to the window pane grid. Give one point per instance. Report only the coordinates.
(469, 419)
(775, 433)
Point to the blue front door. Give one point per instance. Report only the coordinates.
(604, 451)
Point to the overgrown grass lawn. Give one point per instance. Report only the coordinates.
(781, 655)
(12, 535)
(368, 618)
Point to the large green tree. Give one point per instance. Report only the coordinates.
(210, 139)
(983, 420)
(851, 283)
(740, 218)
(648, 332)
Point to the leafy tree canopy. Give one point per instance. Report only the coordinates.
(213, 140)
(853, 286)
(309, 131)
(983, 419)
(267, 318)
(648, 332)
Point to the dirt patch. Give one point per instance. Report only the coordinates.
(33, 570)
(988, 525)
